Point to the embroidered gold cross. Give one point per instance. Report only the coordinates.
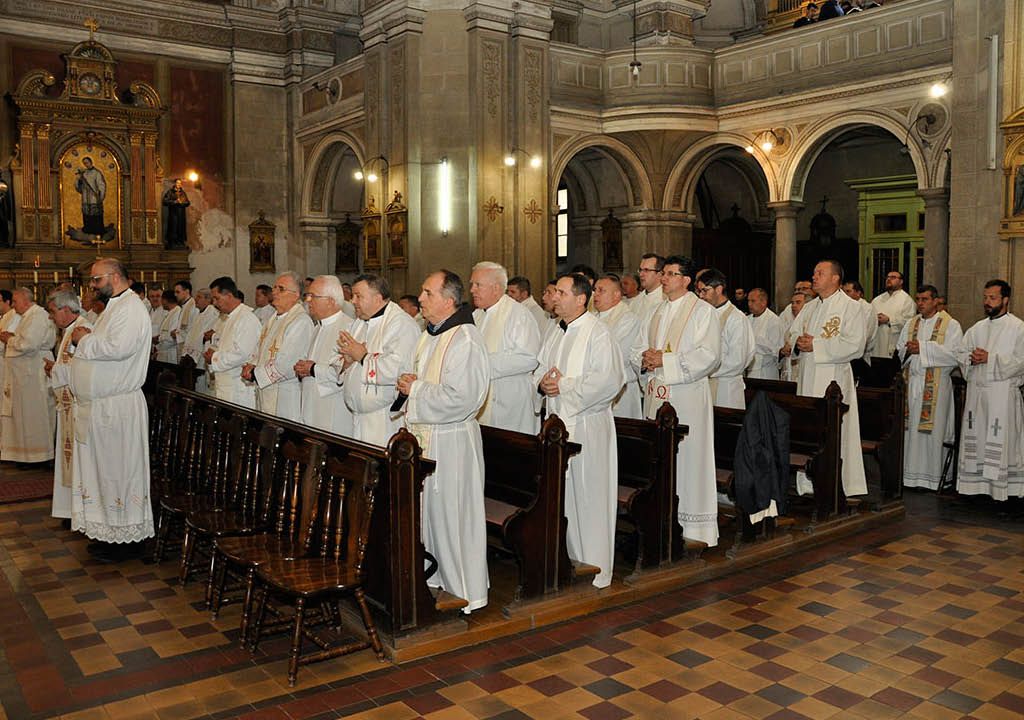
(93, 26)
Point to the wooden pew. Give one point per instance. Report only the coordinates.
(882, 412)
(395, 577)
(525, 503)
(814, 440)
(647, 485)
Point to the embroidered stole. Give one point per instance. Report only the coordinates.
(574, 363)
(65, 406)
(429, 370)
(656, 392)
(280, 323)
(926, 421)
(492, 327)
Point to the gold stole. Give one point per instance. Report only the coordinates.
(656, 391)
(926, 421)
(431, 373)
(65, 406)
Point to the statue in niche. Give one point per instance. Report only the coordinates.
(611, 237)
(1018, 191)
(175, 227)
(92, 186)
(347, 250)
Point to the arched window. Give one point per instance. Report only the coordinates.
(562, 226)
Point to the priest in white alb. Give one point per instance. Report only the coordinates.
(189, 312)
(651, 295)
(626, 332)
(27, 414)
(323, 405)
(445, 392)
(284, 340)
(991, 357)
(66, 312)
(370, 357)
(9, 319)
(520, 290)
(769, 336)
(157, 313)
(232, 344)
(893, 309)
(110, 494)
(737, 341)
(927, 349)
(790, 362)
(580, 378)
(856, 292)
(831, 336)
(513, 341)
(683, 348)
(195, 340)
(167, 338)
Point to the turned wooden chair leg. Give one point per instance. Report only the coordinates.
(188, 548)
(163, 529)
(293, 660)
(259, 615)
(371, 629)
(213, 574)
(247, 601)
(218, 589)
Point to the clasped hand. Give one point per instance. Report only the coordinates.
(979, 356)
(549, 383)
(652, 359)
(405, 381)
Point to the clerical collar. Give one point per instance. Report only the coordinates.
(999, 316)
(379, 313)
(565, 325)
(462, 316)
(722, 303)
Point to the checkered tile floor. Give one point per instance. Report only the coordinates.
(921, 619)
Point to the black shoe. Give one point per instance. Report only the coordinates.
(65, 524)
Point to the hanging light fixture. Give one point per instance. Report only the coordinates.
(636, 64)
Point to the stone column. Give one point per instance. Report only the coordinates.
(936, 237)
(665, 232)
(786, 213)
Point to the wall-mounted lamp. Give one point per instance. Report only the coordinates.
(929, 121)
(444, 196)
(767, 140)
(193, 177)
(938, 89)
(635, 65)
(366, 172)
(510, 159)
(330, 89)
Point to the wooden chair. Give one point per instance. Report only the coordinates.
(186, 477)
(268, 478)
(347, 507)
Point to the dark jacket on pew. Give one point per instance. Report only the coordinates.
(761, 464)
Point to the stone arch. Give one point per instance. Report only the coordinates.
(320, 170)
(680, 190)
(813, 141)
(621, 155)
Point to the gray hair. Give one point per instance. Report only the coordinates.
(451, 287)
(332, 288)
(500, 273)
(295, 278)
(66, 299)
(204, 293)
(115, 265)
(23, 291)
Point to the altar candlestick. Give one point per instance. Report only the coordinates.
(35, 276)
(55, 280)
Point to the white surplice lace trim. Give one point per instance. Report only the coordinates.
(107, 533)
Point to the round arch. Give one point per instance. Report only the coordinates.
(816, 138)
(627, 161)
(322, 161)
(682, 180)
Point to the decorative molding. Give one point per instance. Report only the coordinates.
(533, 211)
(532, 77)
(492, 209)
(492, 75)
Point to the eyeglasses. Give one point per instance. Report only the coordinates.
(643, 270)
(97, 278)
(672, 273)
(316, 297)
(281, 288)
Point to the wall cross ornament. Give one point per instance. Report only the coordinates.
(533, 211)
(492, 209)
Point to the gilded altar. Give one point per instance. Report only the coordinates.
(85, 177)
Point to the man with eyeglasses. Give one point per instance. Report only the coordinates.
(650, 298)
(737, 347)
(110, 461)
(283, 342)
(323, 405)
(232, 341)
(683, 349)
(893, 309)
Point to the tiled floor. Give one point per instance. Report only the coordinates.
(924, 618)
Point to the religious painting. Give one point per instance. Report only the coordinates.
(371, 235)
(1012, 223)
(261, 245)
(346, 254)
(397, 224)
(90, 194)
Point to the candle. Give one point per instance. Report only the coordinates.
(35, 276)
(35, 263)
(71, 272)
(55, 280)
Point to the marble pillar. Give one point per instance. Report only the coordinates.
(786, 213)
